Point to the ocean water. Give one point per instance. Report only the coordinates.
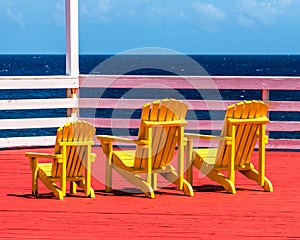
(214, 65)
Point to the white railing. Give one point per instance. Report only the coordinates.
(263, 84)
(41, 84)
(131, 102)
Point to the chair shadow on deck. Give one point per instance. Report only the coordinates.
(172, 190)
(45, 195)
(30, 196)
(220, 189)
(134, 192)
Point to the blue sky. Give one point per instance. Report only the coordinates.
(186, 26)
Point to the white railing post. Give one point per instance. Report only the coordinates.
(72, 50)
(72, 41)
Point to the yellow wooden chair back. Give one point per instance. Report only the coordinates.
(164, 138)
(246, 134)
(76, 156)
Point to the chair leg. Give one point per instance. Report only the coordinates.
(35, 182)
(221, 179)
(254, 175)
(172, 177)
(137, 181)
(34, 176)
(154, 181)
(187, 188)
(108, 176)
(90, 193)
(51, 186)
(189, 174)
(214, 175)
(189, 162)
(73, 187)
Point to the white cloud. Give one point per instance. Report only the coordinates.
(15, 17)
(209, 11)
(104, 5)
(59, 14)
(97, 10)
(10, 14)
(31, 13)
(136, 12)
(166, 11)
(208, 15)
(245, 21)
(166, 15)
(266, 13)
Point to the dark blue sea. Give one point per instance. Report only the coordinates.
(214, 65)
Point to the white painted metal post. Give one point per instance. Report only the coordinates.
(72, 46)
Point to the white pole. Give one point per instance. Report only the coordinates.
(72, 46)
(72, 50)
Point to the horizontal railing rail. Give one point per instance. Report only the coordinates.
(189, 82)
(20, 109)
(39, 82)
(130, 102)
(112, 103)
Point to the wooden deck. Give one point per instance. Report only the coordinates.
(210, 214)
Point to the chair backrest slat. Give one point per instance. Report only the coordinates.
(164, 138)
(74, 165)
(246, 144)
(246, 134)
(76, 155)
(243, 137)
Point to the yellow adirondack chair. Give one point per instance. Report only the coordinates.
(161, 131)
(71, 161)
(244, 124)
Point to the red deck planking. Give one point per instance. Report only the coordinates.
(210, 214)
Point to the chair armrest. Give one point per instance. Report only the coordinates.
(43, 155)
(79, 143)
(170, 123)
(260, 120)
(206, 137)
(33, 158)
(108, 138)
(190, 136)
